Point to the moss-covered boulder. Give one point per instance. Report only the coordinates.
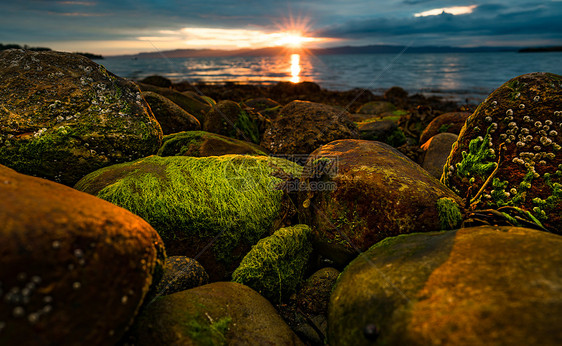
(474, 286)
(385, 131)
(180, 273)
(63, 116)
(227, 201)
(376, 108)
(201, 144)
(508, 157)
(74, 268)
(188, 101)
(436, 150)
(444, 123)
(170, 116)
(229, 119)
(276, 264)
(304, 126)
(221, 313)
(158, 81)
(265, 106)
(355, 193)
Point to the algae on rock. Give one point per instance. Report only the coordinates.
(275, 266)
(230, 201)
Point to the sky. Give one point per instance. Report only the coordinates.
(112, 27)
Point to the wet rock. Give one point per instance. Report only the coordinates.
(158, 81)
(265, 106)
(75, 269)
(436, 150)
(507, 157)
(396, 95)
(448, 122)
(276, 264)
(171, 117)
(473, 286)
(377, 108)
(355, 193)
(229, 119)
(228, 201)
(385, 131)
(304, 126)
(221, 313)
(64, 116)
(284, 89)
(314, 296)
(179, 274)
(201, 144)
(188, 101)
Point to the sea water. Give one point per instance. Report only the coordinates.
(462, 77)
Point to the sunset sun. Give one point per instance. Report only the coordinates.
(293, 39)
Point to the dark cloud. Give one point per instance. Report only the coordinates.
(365, 21)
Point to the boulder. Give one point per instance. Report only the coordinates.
(265, 106)
(228, 201)
(376, 108)
(221, 313)
(396, 95)
(63, 116)
(385, 131)
(170, 116)
(448, 122)
(473, 286)
(201, 144)
(507, 157)
(355, 193)
(304, 126)
(436, 150)
(276, 264)
(75, 269)
(181, 273)
(158, 81)
(188, 101)
(229, 119)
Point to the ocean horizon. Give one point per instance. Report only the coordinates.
(459, 77)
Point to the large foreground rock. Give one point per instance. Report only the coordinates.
(474, 286)
(355, 193)
(303, 126)
(63, 116)
(508, 153)
(74, 268)
(222, 313)
(228, 201)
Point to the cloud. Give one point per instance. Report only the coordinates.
(455, 10)
(485, 21)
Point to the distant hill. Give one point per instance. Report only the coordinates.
(541, 49)
(272, 51)
(17, 46)
(43, 49)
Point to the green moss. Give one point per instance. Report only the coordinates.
(204, 333)
(443, 128)
(275, 266)
(231, 196)
(478, 160)
(248, 126)
(450, 216)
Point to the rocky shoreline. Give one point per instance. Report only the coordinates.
(154, 213)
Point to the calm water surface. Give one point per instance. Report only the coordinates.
(457, 76)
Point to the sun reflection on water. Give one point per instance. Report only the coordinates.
(295, 68)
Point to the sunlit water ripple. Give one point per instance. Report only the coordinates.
(456, 76)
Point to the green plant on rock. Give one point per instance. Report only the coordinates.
(450, 216)
(275, 266)
(478, 160)
(232, 196)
